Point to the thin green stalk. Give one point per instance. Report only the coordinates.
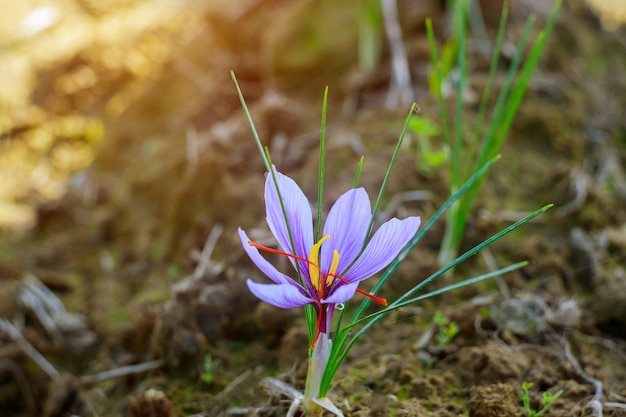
(357, 176)
(460, 30)
(370, 29)
(333, 366)
(265, 156)
(512, 93)
(501, 108)
(526, 73)
(464, 283)
(473, 252)
(257, 140)
(434, 58)
(384, 184)
(338, 356)
(509, 99)
(490, 144)
(342, 337)
(493, 66)
(320, 178)
(339, 320)
(455, 165)
(388, 174)
(456, 219)
(420, 234)
(381, 191)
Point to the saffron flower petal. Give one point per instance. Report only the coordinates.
(261, 263)
(385, 245)
(342, 294)
(347, 224)
(323, 264)
(282, 295)
(298, 212)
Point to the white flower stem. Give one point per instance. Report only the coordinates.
(317, 366)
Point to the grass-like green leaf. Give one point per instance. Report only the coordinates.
(485, 141)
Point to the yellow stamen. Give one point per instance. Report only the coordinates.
(314, 256)
(333, 269)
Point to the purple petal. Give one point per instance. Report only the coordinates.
(261, 263)
(347, 224)
(385, 245)
(283, 295)
(298, 214)
(341, 294)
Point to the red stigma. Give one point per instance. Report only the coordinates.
(320, 293)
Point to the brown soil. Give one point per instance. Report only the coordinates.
(124, 146)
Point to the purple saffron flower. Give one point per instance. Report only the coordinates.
(331, 268)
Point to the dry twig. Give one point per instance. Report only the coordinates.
(121, 371)
(595, 403)
(401, 87)
(15, 334)
(274, 385)
(204, 262)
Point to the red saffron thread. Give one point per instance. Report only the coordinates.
(379, 300)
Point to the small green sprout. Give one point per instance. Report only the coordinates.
(427, 358)
(208, 374)
(547, 400)
(173, 272)
(447, 64)
(447, 332)
(428, 158)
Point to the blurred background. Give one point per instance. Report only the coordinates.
(126, 165)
